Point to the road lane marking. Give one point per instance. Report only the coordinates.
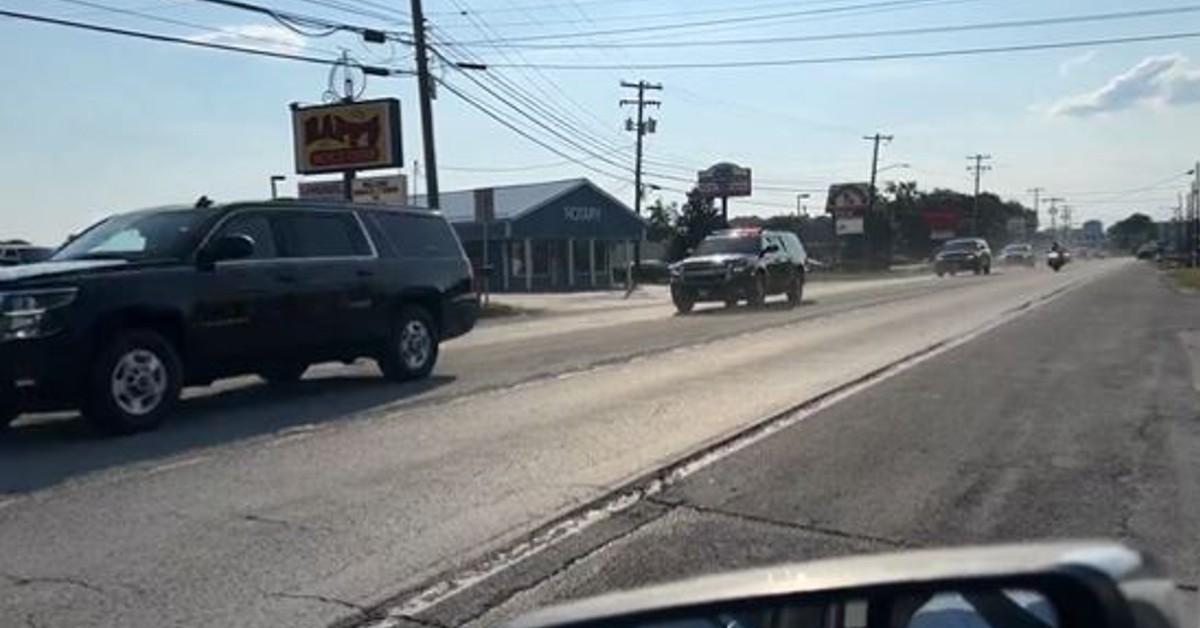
(656, 481)
(177, 464)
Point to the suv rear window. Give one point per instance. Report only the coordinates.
(321, 234)
(419, 236)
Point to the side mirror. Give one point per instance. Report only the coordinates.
(233, 246)
(1059, 585)
(768, 249)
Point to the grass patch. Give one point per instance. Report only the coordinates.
(1187, 278)
(495, 309)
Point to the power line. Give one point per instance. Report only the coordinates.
(716, 22)
(888, 56)
(296, 22)
(924, 30)
(371, 70)
(525, 168)
(177, 22)
(390, 15)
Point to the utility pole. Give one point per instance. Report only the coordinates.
(642, 128)
(1036, 192)
(425, 91)
(1066, 214)
(1054, 201)
(978, 169)
(870, 217)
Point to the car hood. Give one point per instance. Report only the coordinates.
(40, 270)
(716, 260)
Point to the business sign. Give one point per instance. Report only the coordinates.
(386, 190)
(581, 213)
(942, 222)
(347, 136)
(724, 179)
(848, 202)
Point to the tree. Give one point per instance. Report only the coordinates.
(1133, 232)
(660, 221)
(697, 218)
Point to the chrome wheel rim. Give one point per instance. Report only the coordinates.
(139, 382)
(416, 344)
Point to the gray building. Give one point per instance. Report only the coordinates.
(557, 235)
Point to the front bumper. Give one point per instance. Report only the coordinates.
(713, 286)
(41, 374)
(958, 263)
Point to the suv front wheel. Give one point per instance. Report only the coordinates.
(412, 348)
(683, 299)
(795, 293)
(134, 383)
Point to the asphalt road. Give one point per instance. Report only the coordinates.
(344, 494)
(1077, 420)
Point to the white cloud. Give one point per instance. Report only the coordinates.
(1071, 64)
(259, 36)
(1160, 81)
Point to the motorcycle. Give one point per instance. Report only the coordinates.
(1039, 585)
(1056, 260)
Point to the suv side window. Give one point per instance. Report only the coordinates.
(419, 236)
(257, 225)
(321, 234)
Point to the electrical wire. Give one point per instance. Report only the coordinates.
(888, 56)
(389, 16)
(183, 41)
(717, 22)
(525, 168)
(923, 30)
(297, 22)
(177, 22)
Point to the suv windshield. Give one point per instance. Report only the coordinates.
(961, 245)
(719, 246)
(152, 234)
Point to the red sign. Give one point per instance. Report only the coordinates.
(347, 136)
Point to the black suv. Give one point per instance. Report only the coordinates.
(141, 304)
(964, 254)
(740, 264)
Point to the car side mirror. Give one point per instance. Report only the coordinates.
(229, 247)
(1069, 585)
(768, 249)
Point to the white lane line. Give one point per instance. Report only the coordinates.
(656, 482)
(177, 464)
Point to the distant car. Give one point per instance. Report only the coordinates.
(145, 303)
(14, 254)
(1018, 255)
(964, 254)
(740, 264)
(1149, 250)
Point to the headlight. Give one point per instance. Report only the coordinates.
(32, 313)
(675, 269)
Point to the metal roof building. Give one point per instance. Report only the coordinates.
(556, 235)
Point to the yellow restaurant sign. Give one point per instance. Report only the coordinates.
(347, 136)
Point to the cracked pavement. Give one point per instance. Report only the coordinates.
(309, 506)
(1078, 420)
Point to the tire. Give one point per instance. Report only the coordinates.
(987, 270)
(412, 348)
(795, 293)
(978, 270)
(758, 291)
(731, 303)
(134, 383)
(282, 374)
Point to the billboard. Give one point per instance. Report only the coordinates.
(942, 222)
(848, 202)
(347, 136)
(724, 179)
(385, 190)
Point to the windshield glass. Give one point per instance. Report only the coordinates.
(720, 246)
(961, 245)
(1017, 248)
(166, 234)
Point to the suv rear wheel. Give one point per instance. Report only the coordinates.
(412, 349)
(134, 383)
(795, 293)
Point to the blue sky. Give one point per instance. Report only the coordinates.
(95, 123)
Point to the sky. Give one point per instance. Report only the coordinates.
(96, 123)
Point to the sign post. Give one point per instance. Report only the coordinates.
(383, 190)
(848, 203)
(485, 212)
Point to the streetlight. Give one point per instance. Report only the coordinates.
(801, 208)
(276, 178)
